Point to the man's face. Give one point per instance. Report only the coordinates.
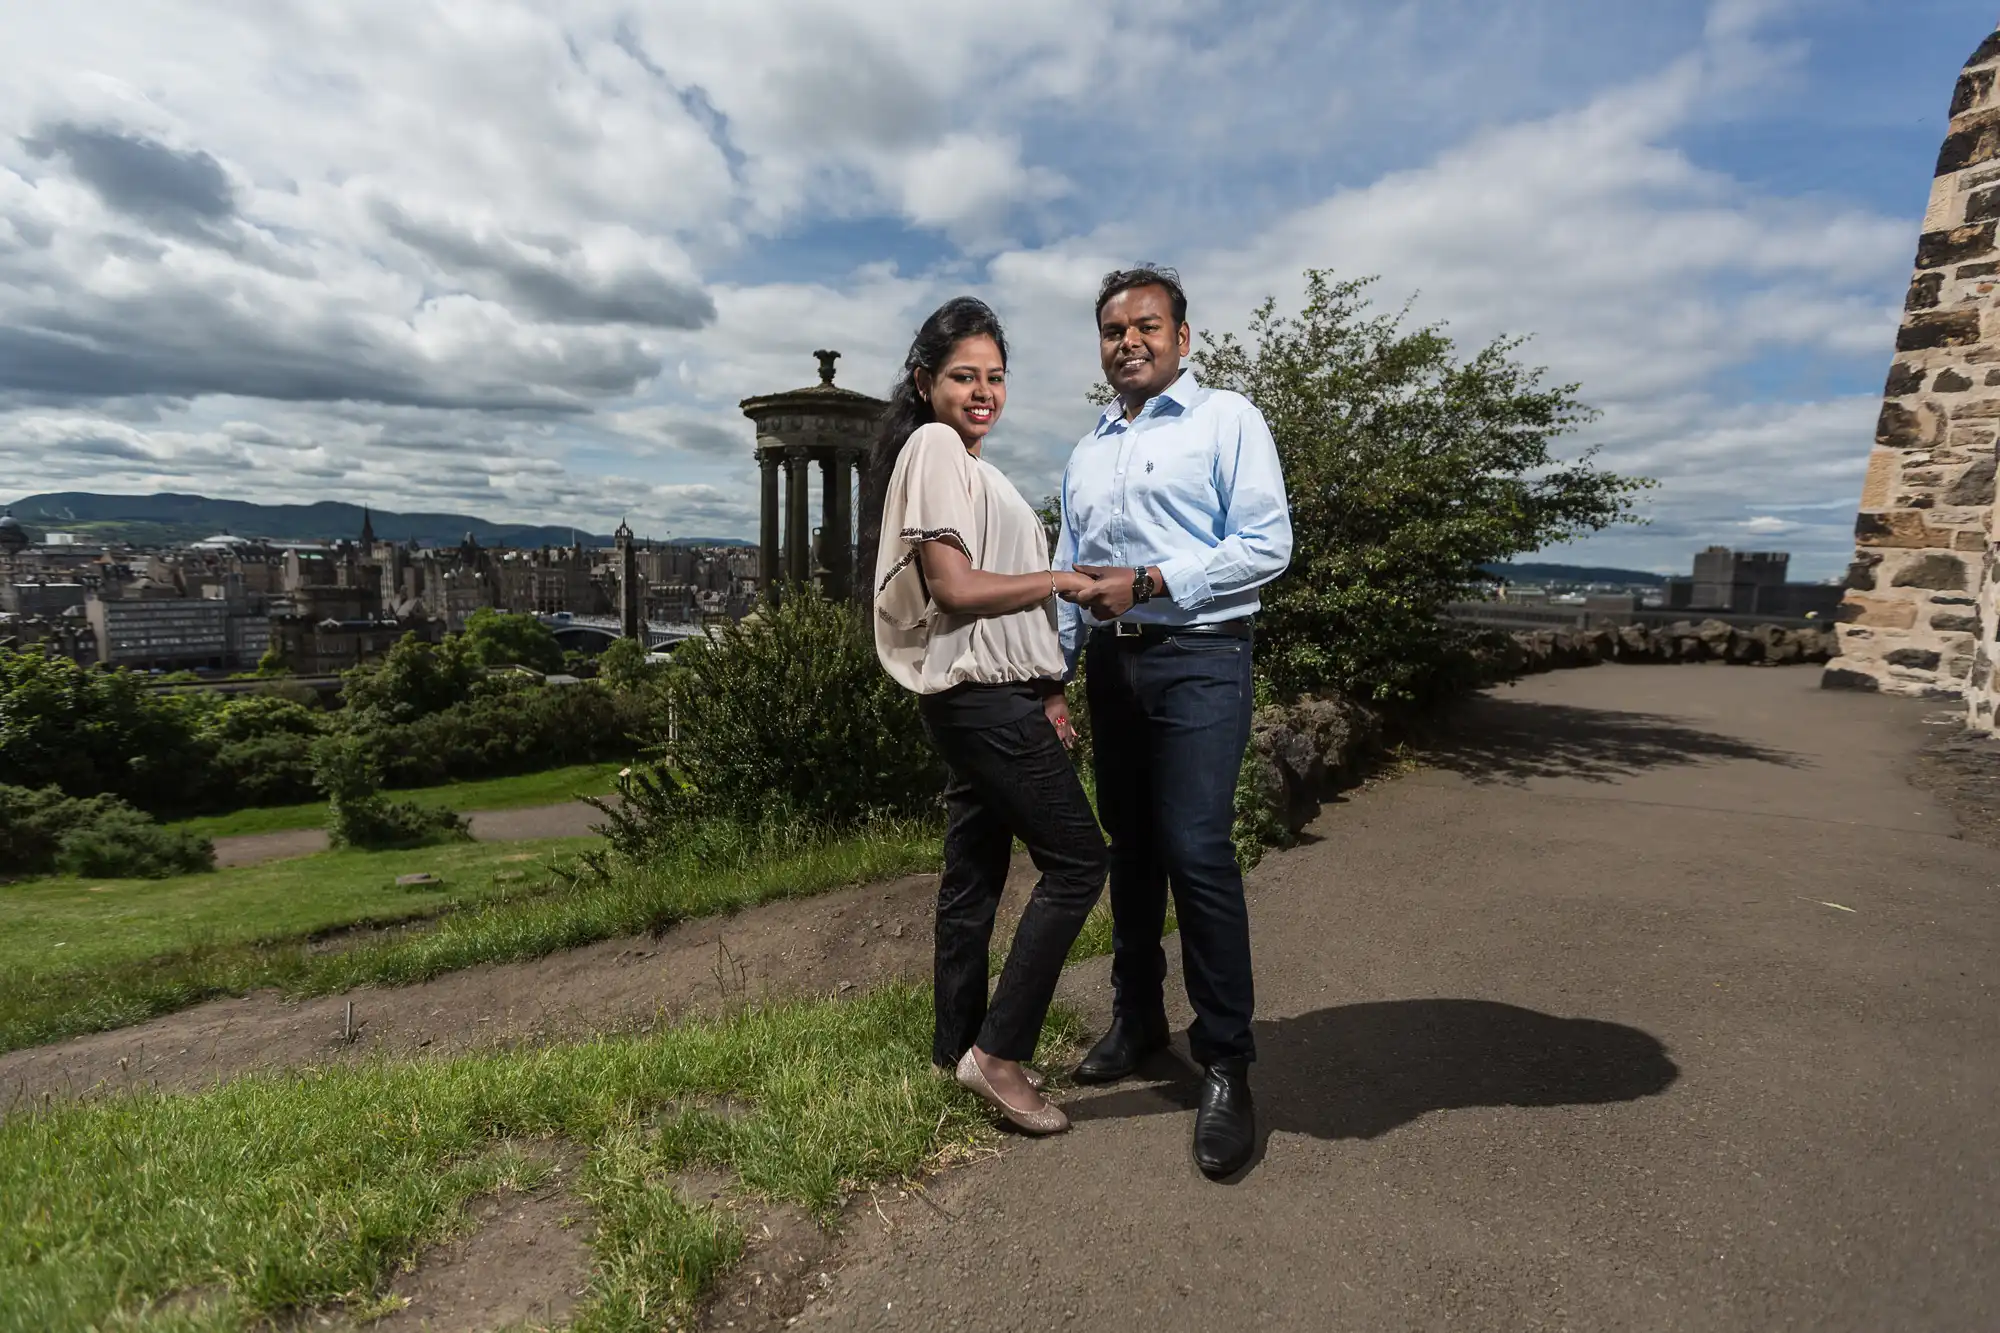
(1139, 343)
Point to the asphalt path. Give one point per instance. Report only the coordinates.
(1657, 999)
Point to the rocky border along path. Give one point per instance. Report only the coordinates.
(571, 819)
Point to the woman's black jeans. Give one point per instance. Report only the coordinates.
(1010, 777)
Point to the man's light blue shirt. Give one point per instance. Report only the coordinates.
(1190, 484)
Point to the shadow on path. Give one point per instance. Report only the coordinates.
(1512, 740)
(1358, 1071)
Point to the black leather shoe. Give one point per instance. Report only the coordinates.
(1225, 1122)
(1120, 1050)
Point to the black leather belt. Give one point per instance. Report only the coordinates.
(1147, 632)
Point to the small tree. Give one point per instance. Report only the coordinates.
(414, 680)
(358, 815)
(97, 731)
(623, 665)
(499, 639)
(1407, 470)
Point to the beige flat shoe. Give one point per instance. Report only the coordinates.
(1036, 1078)
(1047, 1120)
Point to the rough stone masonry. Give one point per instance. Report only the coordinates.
(1920, 610)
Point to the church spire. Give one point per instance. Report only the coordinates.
(367, 529)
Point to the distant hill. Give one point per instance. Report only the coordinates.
(168, 519)
(1540, 573)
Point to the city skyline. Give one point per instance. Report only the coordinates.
(245, 249)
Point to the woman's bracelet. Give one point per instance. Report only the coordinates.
(1052, 585)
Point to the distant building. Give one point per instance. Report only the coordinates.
(326, 647)
(41, 597)
(60, 636)
(1747, 583)
(169, 633)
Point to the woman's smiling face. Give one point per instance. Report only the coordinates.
(969, 390)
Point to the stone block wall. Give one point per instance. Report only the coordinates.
(1919, 614)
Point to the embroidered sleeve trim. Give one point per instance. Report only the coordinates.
(894, 570)
(917, 537)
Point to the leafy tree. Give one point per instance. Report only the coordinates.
(255, 716)
(623, 665)
(1407, 469)
(91, 732)
(500, 639)
(415, 679)
(273, 663)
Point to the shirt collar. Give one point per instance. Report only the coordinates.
(1181, 393)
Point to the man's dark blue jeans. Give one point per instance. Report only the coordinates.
(1169, 718)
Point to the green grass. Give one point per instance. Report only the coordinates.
(550, 788)
(276, 1194)
(56, 998)
(68, 924)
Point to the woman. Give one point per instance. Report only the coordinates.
(965, 616)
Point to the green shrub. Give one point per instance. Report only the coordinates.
(785, 719)
(124, 844)
(379, 825)
(93, 732)
(43, 831)
(509, 726)
(269, 770)
(250, 717)
(357, 815)
(1408, 469)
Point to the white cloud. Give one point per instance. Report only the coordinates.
(1769, 525)
(507, 256)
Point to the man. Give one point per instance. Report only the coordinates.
(1175, 506)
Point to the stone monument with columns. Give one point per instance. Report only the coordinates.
(833, 428)
(1919, 615)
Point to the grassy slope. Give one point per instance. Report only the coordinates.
(46, 1005)
(279, 1193)
(72, 925)
(550, 788)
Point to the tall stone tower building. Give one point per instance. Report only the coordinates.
(631, 616)
(1919, 614)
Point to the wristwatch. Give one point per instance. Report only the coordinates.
(1142, 584)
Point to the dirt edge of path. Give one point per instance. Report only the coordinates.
(826, 944)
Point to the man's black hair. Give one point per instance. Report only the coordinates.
(1146, 275)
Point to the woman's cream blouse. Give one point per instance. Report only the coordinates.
(939, 492)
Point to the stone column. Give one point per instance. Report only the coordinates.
(767, 530)
(798, 521)
(869, 499)
(1913, 620)
(836, 534)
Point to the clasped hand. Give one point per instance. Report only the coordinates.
(1106, 590)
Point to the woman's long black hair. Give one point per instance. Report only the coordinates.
(949, 325)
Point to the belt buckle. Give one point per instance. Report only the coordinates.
(1121, 630)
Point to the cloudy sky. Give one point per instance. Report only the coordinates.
(522, 260)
